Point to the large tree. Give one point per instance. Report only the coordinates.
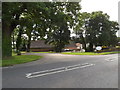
(80, 29)
(64, 18)
(95, 29)
(100, 30)
(43, 14)
(10, 19)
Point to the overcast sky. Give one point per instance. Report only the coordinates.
(107, 6)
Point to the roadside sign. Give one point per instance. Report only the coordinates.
(98, 48)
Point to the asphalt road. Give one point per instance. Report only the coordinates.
(101, 71)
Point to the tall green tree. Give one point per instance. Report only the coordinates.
(59, 38)
(100, 30)
(95, 29)
(28, 27)
(43, 14)
(63, 18)
(19, 40)
(80, 29)
(10, 19)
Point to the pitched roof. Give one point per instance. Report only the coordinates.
(71, 44)
(42, 44)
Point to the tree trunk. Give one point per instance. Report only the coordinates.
(13, 41)
(28, 45)
(18, 42)
(84, 42)
(6, 42)
(85, 46)
(91, 47)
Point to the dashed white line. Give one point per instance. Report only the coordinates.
(57, 70)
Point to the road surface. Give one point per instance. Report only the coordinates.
(64, 71)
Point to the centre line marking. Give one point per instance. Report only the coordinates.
(57, 70)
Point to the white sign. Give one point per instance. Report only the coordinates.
(98, 48)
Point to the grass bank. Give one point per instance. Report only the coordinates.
(19, 59)
(90, 53)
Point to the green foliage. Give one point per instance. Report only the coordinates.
(59, 38)
(96, 29)
(19, 40)
(63, 18)
(10, 17)
(80, 29)
(101, 31)
(53, 19)
(37, 18)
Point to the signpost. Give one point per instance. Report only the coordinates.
(98, 48)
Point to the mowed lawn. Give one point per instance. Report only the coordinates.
(90, 53)
(19, 59)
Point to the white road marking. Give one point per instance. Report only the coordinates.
(57, 70)
(111, 59)
(6, 67)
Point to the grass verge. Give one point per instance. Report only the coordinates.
(90, 53)
(22, 52)
(19, 59)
